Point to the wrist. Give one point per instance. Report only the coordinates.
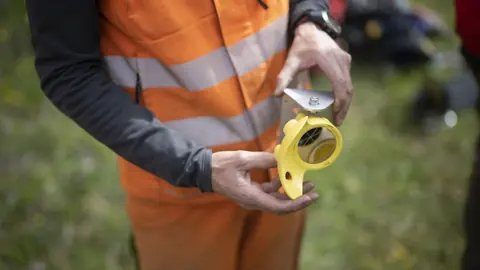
(318, 21)
(204, 176)
(307, 29)
(301, 21)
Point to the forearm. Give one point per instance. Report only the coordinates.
(86, 95)
(66, 39)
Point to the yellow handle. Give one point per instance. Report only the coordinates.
(291, 166)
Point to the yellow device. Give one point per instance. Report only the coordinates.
(309, 141)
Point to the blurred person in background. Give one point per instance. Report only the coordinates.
(164, 84)
(468, 29)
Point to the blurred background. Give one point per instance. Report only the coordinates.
(393, 199)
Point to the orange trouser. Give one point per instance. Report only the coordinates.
(216, 236)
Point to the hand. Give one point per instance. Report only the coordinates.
(312, 46)
(231, 178)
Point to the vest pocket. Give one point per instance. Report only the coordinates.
(138, 88)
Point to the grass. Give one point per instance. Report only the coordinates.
(393, 199)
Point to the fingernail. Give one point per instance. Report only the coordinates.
(305, 199)
(314, 196)
(309, 185)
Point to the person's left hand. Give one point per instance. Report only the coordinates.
(312, 46)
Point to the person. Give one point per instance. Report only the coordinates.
(466, 14)
(186, 94)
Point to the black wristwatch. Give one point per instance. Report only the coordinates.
(324, 21)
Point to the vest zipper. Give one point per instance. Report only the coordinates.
(263, 4)
(138, 89)
(249, 114)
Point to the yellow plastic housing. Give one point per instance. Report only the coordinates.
(291, 166)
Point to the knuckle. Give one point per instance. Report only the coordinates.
(242, 156)
(340, 85)
(347, 57)
(332, 51)
(350, 91)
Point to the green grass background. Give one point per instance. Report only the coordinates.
(393, 200)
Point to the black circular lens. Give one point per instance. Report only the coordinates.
(310, 136)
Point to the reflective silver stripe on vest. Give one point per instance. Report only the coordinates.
(210, 131)
(206, 71)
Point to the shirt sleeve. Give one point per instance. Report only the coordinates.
(298, 8)
(66, 40)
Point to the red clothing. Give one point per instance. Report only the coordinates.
(468, 24)
(338, 9)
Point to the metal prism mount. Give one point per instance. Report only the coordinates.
(309, 140)
(309, 102)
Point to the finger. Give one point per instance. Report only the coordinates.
(272, 186)
(347, 89)
(330, 65)
(307, 187)
(339, 92)
(341, 113)
(265, 202)
(285, 76)
(256, 160)
(339, 76)
(282, 196)
(339, 104)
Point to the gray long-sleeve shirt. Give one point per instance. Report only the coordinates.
(66, 40)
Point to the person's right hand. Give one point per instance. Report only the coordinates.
(231, 178)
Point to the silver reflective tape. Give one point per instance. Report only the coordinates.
(206, 71)
(121, 70)
(155, 74)
(211, 131)
(249, 53)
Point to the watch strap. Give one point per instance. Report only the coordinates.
(323, 20)
(303, 19)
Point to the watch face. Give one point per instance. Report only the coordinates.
(326, 22)
(330, 21)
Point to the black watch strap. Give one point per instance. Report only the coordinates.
(326, 22)
(323, 20)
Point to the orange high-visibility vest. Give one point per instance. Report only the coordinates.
(207, 69)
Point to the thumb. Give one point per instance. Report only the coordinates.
(257, 160)
(286, 74)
